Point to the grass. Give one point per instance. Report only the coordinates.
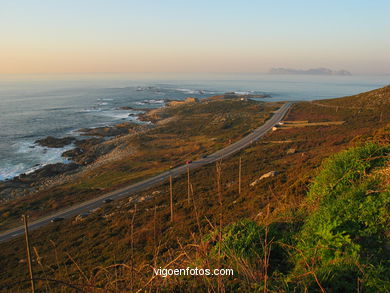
(343, 239)
(289, 206)
(203, 128)
(289, 124)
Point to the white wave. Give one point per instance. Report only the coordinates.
(115, 115)
(244, 92)
(9, 171)
(156, 101)
(46, 155)
(121, 114)
(151, 101)
(188, 91)
(35, 157)
(91, 110)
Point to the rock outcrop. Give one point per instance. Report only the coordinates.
(291, 151)
(264, 176)
(25, 184)
(186, 101)
(107, 131)
(53, 142)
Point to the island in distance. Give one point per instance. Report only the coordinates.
(312, 71)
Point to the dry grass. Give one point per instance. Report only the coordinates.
(101, 246)
(293, 124)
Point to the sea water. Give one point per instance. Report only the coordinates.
(36, 106)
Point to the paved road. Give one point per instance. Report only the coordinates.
(140, 186)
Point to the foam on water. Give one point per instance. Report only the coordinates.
(151, 101)
(245, 92)
(8, 171)
(156, 101)
(36, 157)
(117, 114)
(35, 108)
(188, 91)
(91, 110)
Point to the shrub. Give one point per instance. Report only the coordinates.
(242, 239)
(247, 241)
(346, 168)
(343, 241)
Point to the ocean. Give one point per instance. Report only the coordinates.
(36, 106)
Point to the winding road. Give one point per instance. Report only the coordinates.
(153, 181)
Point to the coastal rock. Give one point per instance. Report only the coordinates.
(264, 176)
(101, 150)
(126, 108)
(186, 101)
(88, 143)
(291, 151)
(73, 153)
(107, 131)
(53, 170)
(25, 184)
(83, 153)
(53, 142)
(89, 152)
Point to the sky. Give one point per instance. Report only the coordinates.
(248, 36)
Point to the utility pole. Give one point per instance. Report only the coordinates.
(171, 196)
(30, 269)
(188, 184)
(219, 190)
(132, 248)
(239, 177)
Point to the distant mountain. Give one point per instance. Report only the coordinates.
(312, 71)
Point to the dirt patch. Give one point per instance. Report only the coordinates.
(292, 124)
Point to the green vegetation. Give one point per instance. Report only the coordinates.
(241, 239)
(341, 245)
(372, 100)
(191, 130)
(320, 224)
(345, 239)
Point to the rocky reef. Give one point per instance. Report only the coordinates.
(53, 142)
(107, 131)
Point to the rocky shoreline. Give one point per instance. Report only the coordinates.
(91, 145)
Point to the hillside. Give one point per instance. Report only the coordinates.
(376, 100)
(318, 223)
(179, 134)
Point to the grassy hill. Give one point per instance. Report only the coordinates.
(181, 133)
(377, 99)
(319, 224)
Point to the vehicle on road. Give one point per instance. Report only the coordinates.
(56, 219)
(96, 206)
(82, 216)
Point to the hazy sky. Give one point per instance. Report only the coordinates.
(58, 36)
